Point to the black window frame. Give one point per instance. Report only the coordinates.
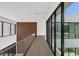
(62, 27)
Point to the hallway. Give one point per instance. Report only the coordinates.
(37, 28)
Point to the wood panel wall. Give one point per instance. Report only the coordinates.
(25, 29)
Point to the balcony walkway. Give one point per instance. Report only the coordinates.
(39, 48)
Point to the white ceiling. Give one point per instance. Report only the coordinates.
(23, 11)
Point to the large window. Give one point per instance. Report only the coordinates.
(7, 29)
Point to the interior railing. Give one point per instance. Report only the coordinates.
(24, 45)
(9, 51)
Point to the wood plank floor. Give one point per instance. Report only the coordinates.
(39, 48)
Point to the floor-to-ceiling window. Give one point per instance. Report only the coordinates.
(54, 26)
(63, 29)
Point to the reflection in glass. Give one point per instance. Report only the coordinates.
(71, 28)
(65, 52)
(77, 51)
(69, 52)
(66, 32)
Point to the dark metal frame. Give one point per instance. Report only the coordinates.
(62, 27)
(55, 34)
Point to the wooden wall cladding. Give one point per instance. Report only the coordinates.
(25, 29)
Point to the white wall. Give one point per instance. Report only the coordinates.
(41, 27)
